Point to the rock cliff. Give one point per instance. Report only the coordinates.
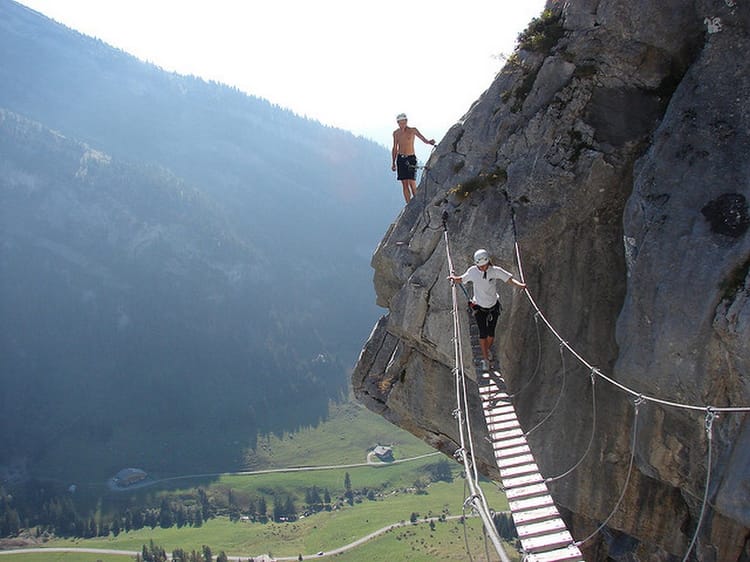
(617, 137)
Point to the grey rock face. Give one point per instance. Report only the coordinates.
(620, 147)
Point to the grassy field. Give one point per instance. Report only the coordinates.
(342, 439)
(345, 438)
(321, 532)
(419, 543)
(325, 530)
(445, 542)
(64, 557)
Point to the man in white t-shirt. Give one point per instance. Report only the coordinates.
(486, 302)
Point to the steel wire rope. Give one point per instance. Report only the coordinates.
(477, 498)
(461, 392)
(710, 411)
(597, 372)
(538, 360)
(463, 522)
(636, 405)
(478, 493)
(494, 398)
(559, 397)
(709, 424)
(591, 439)
(486, 546)
(426, 176)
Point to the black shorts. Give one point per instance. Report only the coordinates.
(487, 320)
(406, 166)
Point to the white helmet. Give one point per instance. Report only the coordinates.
(481, 257)
(401, 117)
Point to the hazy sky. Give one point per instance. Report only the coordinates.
(347, 63)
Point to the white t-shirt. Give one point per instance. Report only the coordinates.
(485, 293)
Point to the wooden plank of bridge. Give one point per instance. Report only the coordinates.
(543, 534)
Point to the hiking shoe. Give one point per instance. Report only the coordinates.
(484, 365)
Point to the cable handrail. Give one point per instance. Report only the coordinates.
(596, 371)
(711, 412)
(476, 497)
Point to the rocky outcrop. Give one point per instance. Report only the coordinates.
(617, 137)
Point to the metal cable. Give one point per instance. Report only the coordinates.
(597, 372)
(557, 402)
(477, 499)
(591, 439)
(538, 359)
(636, 404)
(710, 417)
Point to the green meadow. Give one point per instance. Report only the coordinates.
(345, 438)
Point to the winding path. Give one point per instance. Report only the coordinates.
(369, 462)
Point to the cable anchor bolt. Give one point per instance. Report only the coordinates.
(711, 415)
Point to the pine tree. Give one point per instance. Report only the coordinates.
(262, 509)
(181, 517)
(313, 499)
(138, 519)
(348, 489)
(290, 510)
(278, 509)
(166, 516)
(91, 530)
(205, 504)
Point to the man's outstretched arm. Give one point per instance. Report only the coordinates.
(422, 138)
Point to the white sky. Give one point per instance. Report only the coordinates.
(346, 63)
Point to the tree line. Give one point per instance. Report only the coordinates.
(51, 509)
(57, 513)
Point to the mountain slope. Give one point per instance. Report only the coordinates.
(128, 305)
(181, 259)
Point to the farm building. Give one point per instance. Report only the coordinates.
(129, 476)
(384, 453)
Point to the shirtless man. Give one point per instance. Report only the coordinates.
(403, 157)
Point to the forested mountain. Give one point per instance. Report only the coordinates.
(180, 262)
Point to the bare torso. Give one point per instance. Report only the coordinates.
(403, 140)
